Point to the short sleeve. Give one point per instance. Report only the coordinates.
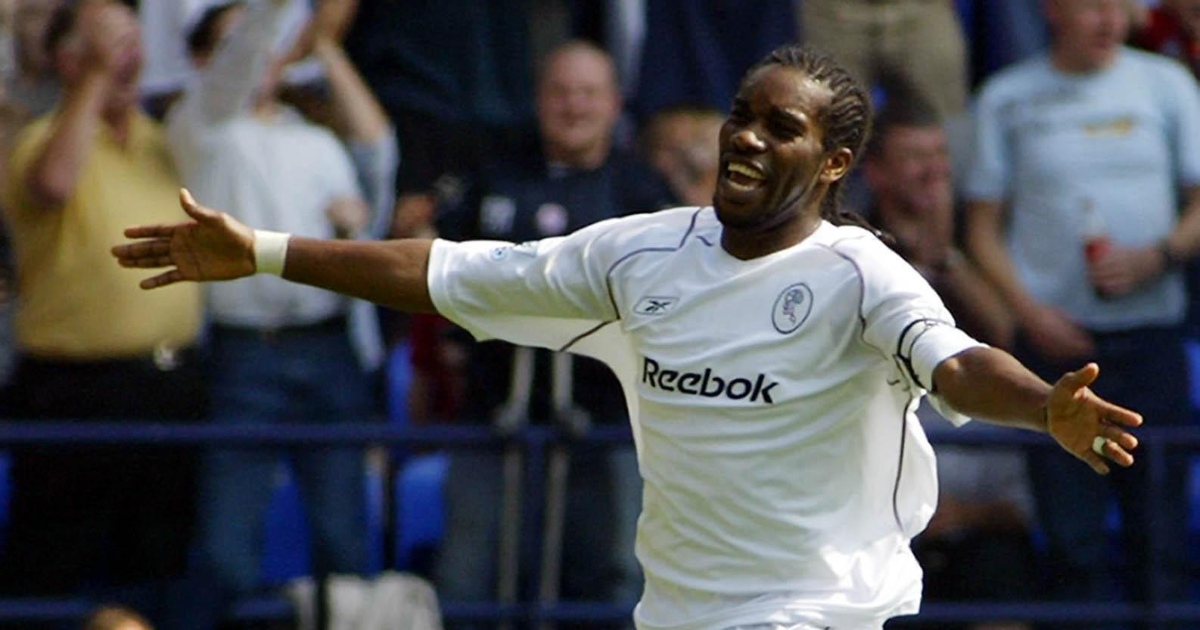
(1184, 101)
(988, 165)
(29, 142)
(542, 293)
(904, 319)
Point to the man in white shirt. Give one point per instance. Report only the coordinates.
(772, 355)
(282, 353)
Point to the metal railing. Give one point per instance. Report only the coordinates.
(14, 434)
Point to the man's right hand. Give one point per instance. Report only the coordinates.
(213, 246)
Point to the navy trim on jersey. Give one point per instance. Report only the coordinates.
(608, 280)
(900, 462)
(587, 333)
(907, 360)
(862, 290)
(613, 267)
(862, 320)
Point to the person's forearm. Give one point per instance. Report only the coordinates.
(389, 273)
(54, 173)
(1183, 243)
(985, 244)
(989, 384)
(360, 116)
(975, 304)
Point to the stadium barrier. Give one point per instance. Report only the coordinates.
(1155, 444)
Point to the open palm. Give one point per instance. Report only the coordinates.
(1076, 417)
(213, 246)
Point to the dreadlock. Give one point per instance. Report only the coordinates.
(846, 121)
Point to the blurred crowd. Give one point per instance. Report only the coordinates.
(1035, 160)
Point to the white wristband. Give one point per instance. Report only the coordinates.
(270, 251)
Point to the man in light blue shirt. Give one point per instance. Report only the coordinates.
(1092, 142)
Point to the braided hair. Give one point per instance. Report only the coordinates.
(846, 121)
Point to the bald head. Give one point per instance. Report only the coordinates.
(578, 104)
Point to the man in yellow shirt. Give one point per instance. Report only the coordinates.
(91, 345)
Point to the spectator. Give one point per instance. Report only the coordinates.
(1173, 29)
(32, 86)
(281, 354)
(916, 43)
(30, 89)
(573, 179)
(89, 348)
(681, 144)
(1085, 202)
(907, 169)
(978, 545)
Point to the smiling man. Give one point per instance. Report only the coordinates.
(572, 177)
(793, 509)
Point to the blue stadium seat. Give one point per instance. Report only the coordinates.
(286, 553)
(420, 508)
(1192, 348)
(420, 519)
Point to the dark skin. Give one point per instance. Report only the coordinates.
(773, 131)
(774, 175)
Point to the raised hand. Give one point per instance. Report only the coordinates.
(213, 246)
(111, 37)
(1076, 417)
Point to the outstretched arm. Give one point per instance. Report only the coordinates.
(215, 246)
(991, 385)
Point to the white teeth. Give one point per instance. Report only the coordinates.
(742, 169)
(741, 187)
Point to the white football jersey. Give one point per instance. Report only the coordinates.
(772, 403)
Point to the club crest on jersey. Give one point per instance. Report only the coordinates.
(792, 307)
(655, 305)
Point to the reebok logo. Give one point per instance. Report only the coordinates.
(707, 384)
(653, 305)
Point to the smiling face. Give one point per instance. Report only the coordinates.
(912, 170)
(578, 104)
(775, 170)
